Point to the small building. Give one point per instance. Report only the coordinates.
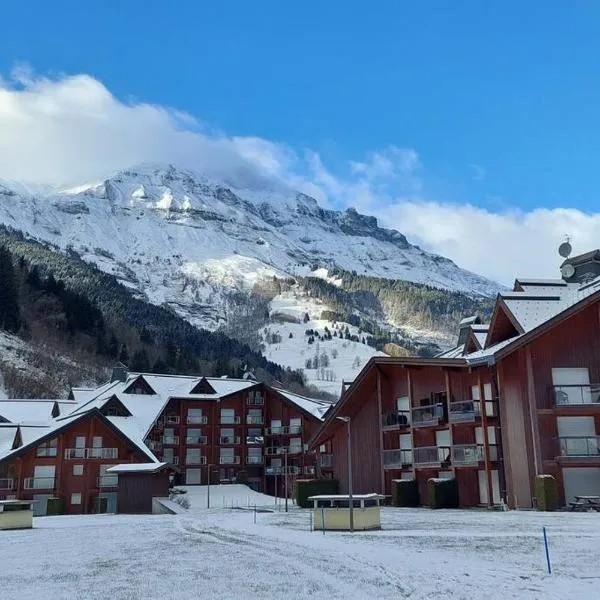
(139, 484)
(16, 514)
(334, 511)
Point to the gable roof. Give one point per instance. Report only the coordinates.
(32, 410)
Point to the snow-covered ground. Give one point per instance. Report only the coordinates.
(222, 553)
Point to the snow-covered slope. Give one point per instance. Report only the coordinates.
(181, 239)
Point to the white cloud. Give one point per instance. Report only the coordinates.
(71, 129)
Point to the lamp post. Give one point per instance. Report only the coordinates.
(208, 489)
(285, 474)
(350, 497)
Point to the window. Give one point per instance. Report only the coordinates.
(77, 469)
(80, 441)
(228, 416)
(194, 436)
(226, 456)
(295, 425)
(195, 416)
(76, 498)
(97, 442)
(47, 448)
(168, 455)
(193, 456)
(227, 436)
(193, 476)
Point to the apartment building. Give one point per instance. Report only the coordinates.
(517, 397)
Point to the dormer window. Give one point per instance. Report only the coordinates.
(114, 408)
(140, 387)
(203, 387)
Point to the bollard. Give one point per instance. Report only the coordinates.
(547, 552)
(255, 514)
(311, 525)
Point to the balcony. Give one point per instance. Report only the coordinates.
(172, 419)
(107, 481)
(579, 447)
(325, 460)
(274, 451)
(46, 451)
(395, 419)
(285, 430)
(472, 454)
(254, 460)
(6, 484)
(170, 440)
(229, 460)
(254, 420)
(309, 470)
(397, 458)
(38, 483)
(195, 460)
(428, 416)
(197, 420)
(431, 456)
(576, 395)
(466, 411)
(255, 440)
(229, 440)
(94, 453)
(230, 420)
(291, 470)
(154, 446)
(196, 440)
(255, 400)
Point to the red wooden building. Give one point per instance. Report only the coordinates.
(234, 430)
(516, 398)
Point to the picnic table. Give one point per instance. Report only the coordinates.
(583, 503)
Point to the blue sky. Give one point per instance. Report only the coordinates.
(497, 100)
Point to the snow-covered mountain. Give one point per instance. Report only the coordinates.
(189, 242)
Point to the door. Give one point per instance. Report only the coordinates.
(111, 501)
(193, 476)
(584, 481)
(571, 386)
(483, 487)
(43, 477)
(40, 504)
(442, 441)
(577, 436)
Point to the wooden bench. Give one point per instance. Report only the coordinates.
(577, 505)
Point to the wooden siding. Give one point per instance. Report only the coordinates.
(136, 491)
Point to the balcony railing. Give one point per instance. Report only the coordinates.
(276, 450)
(285, 430)
(254, 460)
(431, 455)
(197, 420)
(6, 484)
(427, 416)
(273, 451)
(79, 453)
(230, 420)
(38, 483)
(228, 440)
(254, 420)
(255, 400)
(172, 419)
(465, 411)
(170, 440)
(195, 460)
(309, 470)
(291, 470)
(106, 481)
(229, 460)
(395, 419)
(154, 445)
(255, 440)
(397, 458)
(196, 439)
(325, 460)
(577, 395)
(472, 454)
(579, 446)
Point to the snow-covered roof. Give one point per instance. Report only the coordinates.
(371, 496)
(455, 352)
(317, 408)
(32, 411)
(7, 437)
(151, 467)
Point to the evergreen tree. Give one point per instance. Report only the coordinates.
(9, 293)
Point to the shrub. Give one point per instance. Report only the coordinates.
(546, 493)
(442, 493)
(405, 492)
(305, 488)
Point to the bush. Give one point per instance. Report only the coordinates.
(546, 493)
(442, 493)
(305, 488)
(405, 492)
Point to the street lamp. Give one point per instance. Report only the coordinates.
(350, 497)
(285, 474)
(208, 489)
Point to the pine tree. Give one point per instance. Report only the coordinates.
(9, 293)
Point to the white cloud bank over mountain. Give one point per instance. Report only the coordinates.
(70, 129)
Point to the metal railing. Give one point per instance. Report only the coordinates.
(195, 460)
(294, 449)
(465, 411)
(285, 430)
(254, 420)
(576, 395)
(427, 416)
(254, 460)
(197, 420)
(395, 419)
(256, 400)
(79, 453)
(255, 439)
(232, 420)
(170, 440)
(105, 481)
(229, 460)
(397, 458)
(579, 446)
(172, 419)
(6, 484)
(309, 470)
(325, 460)
(196, 439)
(228, 440)
(38, 483)
(431, 455)
(277, 450)
(269, 471)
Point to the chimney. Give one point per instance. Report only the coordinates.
(119, 373)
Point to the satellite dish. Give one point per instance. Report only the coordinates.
(565, 249)
(567, 270)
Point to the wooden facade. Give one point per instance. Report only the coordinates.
(137, 490)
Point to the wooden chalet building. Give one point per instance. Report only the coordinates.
(516, 398)
(234, 429)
